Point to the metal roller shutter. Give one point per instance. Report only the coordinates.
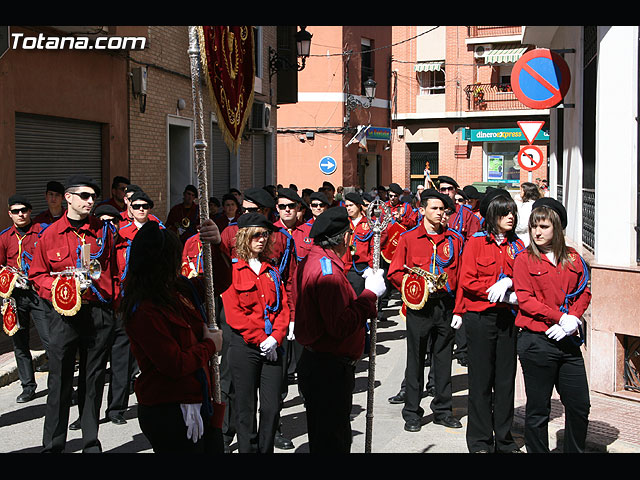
(52, 148)
(259, 161)
(220, 159)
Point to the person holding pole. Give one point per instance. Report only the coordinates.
(330, 324)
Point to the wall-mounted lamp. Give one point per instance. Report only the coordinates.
(370, 94)
(303, 48)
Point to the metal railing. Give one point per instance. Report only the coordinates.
(588, 218)
(492, 96)
(493, 31)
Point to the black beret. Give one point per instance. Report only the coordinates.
(367, 197)
(260, 197)
(140, 195)
(433, 193)
(19, 199)
(395, 188)
(330, 223)
(146, 246)
(381, 188)
(192, 189)
(107, 209)
(320, 197)
(328, 185)
(82, 181)
(449, 180)
(354, 198)
(472, 192)
(54, 186)
(290, 194)
(489, 196)
(232, 197)
(255, 219)
(555, 205)
(132, 188)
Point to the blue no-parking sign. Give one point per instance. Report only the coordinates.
(540, 79)
(328, 165)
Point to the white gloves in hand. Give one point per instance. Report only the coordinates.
(509, 297)
(456, 322)
(375, 282)
(569, 323)
(193, 420)
(268, 348)
(555, 332)
(367, 271)
(498, 289)
(291, 335)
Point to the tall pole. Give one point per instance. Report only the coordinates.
(378, 217)
(200, 147)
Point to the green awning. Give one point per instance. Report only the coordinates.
(429, 66)
(506, 54)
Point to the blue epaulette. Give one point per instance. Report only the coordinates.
(2, 232)
(327, 267)
(480, 234)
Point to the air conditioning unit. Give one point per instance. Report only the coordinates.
(481, 51)
(260, 117)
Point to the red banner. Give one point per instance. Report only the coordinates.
(228, 66)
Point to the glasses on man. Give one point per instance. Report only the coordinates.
(263, 234)
(251, 209)
(446, 189)
(284, 206)
(85, 195)
(16, 211)
(140, 206)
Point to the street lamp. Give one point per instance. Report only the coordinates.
(303, 49)
(370, 93)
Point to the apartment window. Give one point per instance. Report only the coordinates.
(366, 62)
(431, 82)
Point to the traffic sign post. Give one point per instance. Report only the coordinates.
(540, 79)
(530, 158)
(328, 165)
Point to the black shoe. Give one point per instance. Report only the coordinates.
(462, 361)
(431, 391)
(398, 397)
(412, 425)
(43, 368)
(449, 421)
(75, 425)
(281, 442)
(26, 396)
(117, 419)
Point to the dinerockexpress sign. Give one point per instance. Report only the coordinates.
(501, 135)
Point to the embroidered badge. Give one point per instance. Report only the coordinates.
(327, 268)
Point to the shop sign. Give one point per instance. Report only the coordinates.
(502, 135)
(378, 133)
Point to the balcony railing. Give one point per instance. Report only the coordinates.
(485, 31)
(492, 96)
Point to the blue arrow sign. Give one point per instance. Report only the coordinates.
(328, 165)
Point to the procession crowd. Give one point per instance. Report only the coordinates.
(298, 280)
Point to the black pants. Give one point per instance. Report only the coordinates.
(327, 383)
(430, 324)
(122, 365)
(253, 374)
(491, 342)
(88, 332)
(227, 390)
(164, 427)
(30, 307)
(546, 364)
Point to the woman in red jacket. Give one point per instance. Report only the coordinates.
(173, 346)
(257, 313)
(484, 296)
(550, 281)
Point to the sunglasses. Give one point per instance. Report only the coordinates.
(283, 206)
(446, 189)
(140, 206)
(264, 234)
(85, 195)
(317, 205)
(251, 209)
(16, 211)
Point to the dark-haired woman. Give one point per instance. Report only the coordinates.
(529, 193)
(257, 313)
(485, 298)
(550, 280)
(173, 345)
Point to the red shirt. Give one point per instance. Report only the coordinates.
(415, 249)
(248, 296)
(464, 221)
(300, 234)
(361, 244)
(58, 249)
(192, 263)
(9, 247)
(541, 287)
(177, 214)
(483, 262)
(47, 217)
(112, 201)
(329, 316)
(408, 217)
(170, 348)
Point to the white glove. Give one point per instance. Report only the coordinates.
(268, 348)
(375, 283)
(510, 297)
(291, 335)
(498, 289)
(367, 271)
(569, 323)
(555, 332)
(456, 322)
(193, 420)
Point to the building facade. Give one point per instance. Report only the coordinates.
(454, 111)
